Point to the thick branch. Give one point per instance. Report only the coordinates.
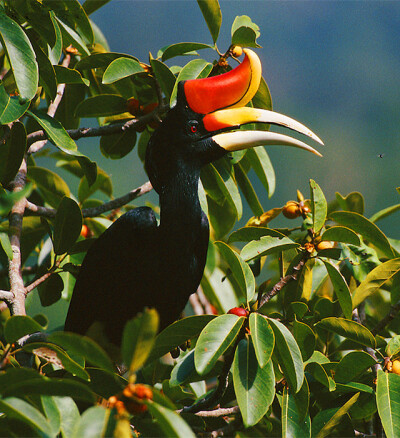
(17, 304)
(95, 211)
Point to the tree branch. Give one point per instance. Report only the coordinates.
(95, 211)
(393, 312)
(36, 283)
(221, 412)
(284, 280)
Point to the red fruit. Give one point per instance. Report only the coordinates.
(150, 107)
(132, 105)
(85, 231)
(142, 392)
(238, 311)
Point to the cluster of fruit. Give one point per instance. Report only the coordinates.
(131, 399)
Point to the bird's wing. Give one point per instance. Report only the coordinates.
(115, 277)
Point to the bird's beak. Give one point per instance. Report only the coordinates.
(222, 100)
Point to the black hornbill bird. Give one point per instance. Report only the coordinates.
(137, 263)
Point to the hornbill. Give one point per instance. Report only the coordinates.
(137, 263)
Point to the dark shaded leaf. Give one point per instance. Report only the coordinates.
(117, 146)
(341, 289)
(102, 105)
(352, 365)
(12, 153)
(263, 338)
(18, 326)
(11, 108)
(180, 49)
(171, 423)
(67, 225)
(50, 290)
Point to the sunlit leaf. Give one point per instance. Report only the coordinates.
(341, 289)
(171, 423)
(121, 68)
(305, 339)
(246, 234)
(248, 191)
(352, 365)
(66, 75)
(244, 32)
(101, 106)
(260, 162)
(164, 76)
(388, 400)
(266, 245)
(92, 423)
(292, 425)
(212, 14)
(263, 338)
(11, 108)
(318, 206)
(180, 49)
(341, 234)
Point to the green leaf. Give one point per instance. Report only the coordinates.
(25, 412)
(121, 68)
(101, 106)
(116, 146)
(197, 68)
(18, 326)
(55, 50)
(393, 346)
(52, 413)
(5, 242)
(47, 75)
(348, 329)
(181, 49)
(177, 334)
(260, 162)
(354, 201)
(317, 371)
(218, 335)
(102, 182)
(248, 190)
(388, 400)
(240, 270)
(12, 153)
(100, 60)
(50, 290)
(11, 108)
(83, 347)
(52, 186)
(164, 77)
(254, 386)
(353, 365)
(246, 234)
(69, 415)
(171, 424)
(263, 338)
(384, 213)
(67, 225)
(266, 245)
(367, 229)
(262, 99)
(244, 32)
(212, 14)
(341, 289)
(336, 418)
(70, 37)
(375, 280)
(21, 56)
(292, 425)
(91, 6)
(92, 423)
(341, 234)
(66, 75)
(288, 354)
(138, 339)
(319, 206)
(305, 339)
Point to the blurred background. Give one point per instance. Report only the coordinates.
(333, 65)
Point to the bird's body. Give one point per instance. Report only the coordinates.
(138, 263)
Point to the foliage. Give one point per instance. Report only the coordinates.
(315, 352)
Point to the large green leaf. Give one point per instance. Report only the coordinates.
(288, 355)
(92, 423)
(248, 191)
(341, 289)
(11, 108)
(375, 280)
(69, 415)
(263, 338)
(116, 146)
(348, 329)
(91, 6)
(244, 32)
(254, 386)
(171, 424)
(240, 270)
(21, 410)
(12, 153)
(83, 347)
(393, 346)
(50, 290)
(319, 206)
(18, 326)
(21, 56)
(212, 14)
(101, 106)
(384, 213)
(341, 234)
(177, 334)
(67, 225)
(71, 37)
(266, 245)
(260, 162)
(47, 76)
(99, 60)
(197, 68)
(52, 413)
(305, 339)
(121, 68)
(180, 49)
(102, 182)
(292, 425)
(354, 201)
(66, 75)
(334, 418)
(218, 335)
(52, 186)
(366, 228)
(246, 234)
(388, 401)
(138, 339)
(164, 77)
(352, 365)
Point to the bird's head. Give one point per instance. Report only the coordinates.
(204, 124)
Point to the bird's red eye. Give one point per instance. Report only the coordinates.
(193, 128)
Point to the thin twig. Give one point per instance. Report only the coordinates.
(284, 280)
(37, 282)
(221, 412)
(393, 312)
(95, 211)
